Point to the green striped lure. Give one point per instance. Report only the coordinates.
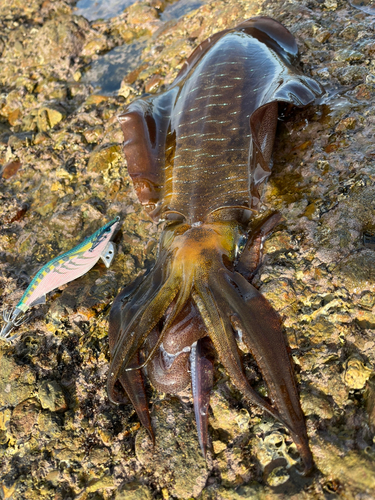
(60, 270)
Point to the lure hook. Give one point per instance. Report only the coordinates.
(12, 318)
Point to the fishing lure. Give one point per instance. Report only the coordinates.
(198, 154)
(61, 270)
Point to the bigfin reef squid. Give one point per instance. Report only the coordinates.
(198, 154)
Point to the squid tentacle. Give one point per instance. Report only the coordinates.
(221, 334)
(132, 383)
(262, 335)
(132, 337)
(182, 297)
(202, 377)
(138, 298)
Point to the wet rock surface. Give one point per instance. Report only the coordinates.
(63, 175)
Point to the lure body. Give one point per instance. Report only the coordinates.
(63, 269)
(198, 155)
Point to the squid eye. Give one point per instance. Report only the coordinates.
(241, 243)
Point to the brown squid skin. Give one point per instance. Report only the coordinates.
(198, 155)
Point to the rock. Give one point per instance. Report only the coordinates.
(58, 39)
(313, 404)
(49, 117)
(352, 74)
(176, 456)
(138, 14)
(370, 401)
(49, 425)
(16, 382)
(278, 476)
(316, 271)
(51, 396)
(133, 491)
(357, 272)
(104, 157)
(346, 124)
(24, 418)
(104, 482)
(10, 169)
(5, 416)
(356, 373)
(349, 467)
(93, 134)
(95, 46)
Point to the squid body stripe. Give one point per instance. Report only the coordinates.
(209, 96)
(198, 134)
(217, 104)
(193, 121)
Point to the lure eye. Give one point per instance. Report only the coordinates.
(108, 230)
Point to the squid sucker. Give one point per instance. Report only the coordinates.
(198, 154)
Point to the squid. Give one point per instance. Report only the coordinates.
(199, 154)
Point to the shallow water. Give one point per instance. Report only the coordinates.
(180, 8)
(107, 72)
(367, 6)
(105, 9)
(100, 9)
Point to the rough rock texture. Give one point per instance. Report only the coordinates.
(63, 175)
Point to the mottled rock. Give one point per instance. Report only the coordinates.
(104, 157)
(93, 134)
(314, 404)
(356, 373)
(98, 44)
(351, 74)
(49, 117)
(5, 416)
(10, 169)
(104, 482)
(357, 272)
(58, 39)
(24, 418)
(17, 382)
(133, 491)
(348, 467)
(51, 396)
(316, 270)
(138, 14)
(176, 456)
(49, 425)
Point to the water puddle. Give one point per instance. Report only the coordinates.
(101, 9)
(180, 8)
(93, 10)
(107, 72)
(367, 6)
